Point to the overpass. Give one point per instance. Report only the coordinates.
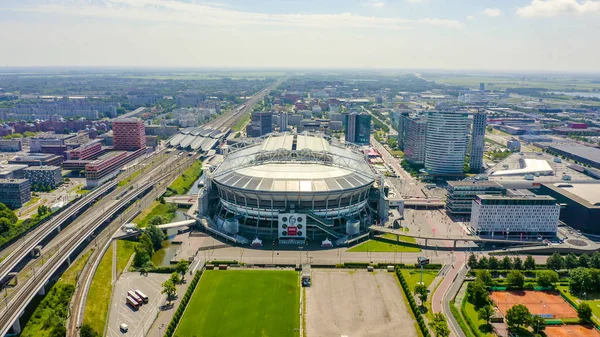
(43, 230)
(455, 238)
(182, 199)
(420, 202)
(34, 285)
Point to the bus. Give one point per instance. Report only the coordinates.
(133, 303)
(135, 297)
(141, 295)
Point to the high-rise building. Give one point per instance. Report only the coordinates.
(415, 138)
(14, 193)
(516, 216)
(477, 142)
(401, 130)
(481, 86)
(261, 123)
(283, 121)
(128, 134)
(358, 128)
(447, 140)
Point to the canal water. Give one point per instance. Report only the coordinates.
(163, 256)
(194, 189)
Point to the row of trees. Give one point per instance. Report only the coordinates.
(571, 261)
(150, 241)
(7, 219)
(176, 278)
(505, 263)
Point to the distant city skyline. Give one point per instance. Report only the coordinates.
(512, 35)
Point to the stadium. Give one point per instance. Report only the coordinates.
(293, 188)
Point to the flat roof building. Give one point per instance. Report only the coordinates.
(584, 154)
(38, 159)
(524, 217)
(129, 134)
(462, 193)
(580, 204)
(14, 193)
(43, 176)
(12, 171)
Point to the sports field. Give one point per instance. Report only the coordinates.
(571, 330)
(538, 302)
(243, 303)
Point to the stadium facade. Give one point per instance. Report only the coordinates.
(293, 188)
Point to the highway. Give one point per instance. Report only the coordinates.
(27, 244)
(85, 228)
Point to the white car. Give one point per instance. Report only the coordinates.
(123, 327)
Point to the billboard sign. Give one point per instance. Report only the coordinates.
(291, 226)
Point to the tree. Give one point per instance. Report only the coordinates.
(483, 263)
(440, 325)
(472, 262)
(477, 293)
(584, 312)
(595, 260)
(555, 261)
(547, 278)
(169, 289)
(493, 263)
(538, 323)
(584, 260)
(485, 276)
(518, 316)
(515, 279)
(141, 258)
(4, 225)
(529, 263)
(571, 261)
(175, 278)
(580, 280)
(156, 236)
(146, 243)
(181, 267)
(157, 220)
(422, 292)
(507, 263)
(485, 313)
(87, 331)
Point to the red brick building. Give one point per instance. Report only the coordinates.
(129, 134)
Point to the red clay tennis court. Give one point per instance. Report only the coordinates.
(571, 331)
(545, 304)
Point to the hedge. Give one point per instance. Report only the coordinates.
(412, 303)
(227, 262)
(460, 320)
(474, 329)
(184, 302)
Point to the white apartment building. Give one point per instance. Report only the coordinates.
(447, 141)
(515, 216)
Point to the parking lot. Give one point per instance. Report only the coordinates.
(356, 303)
(138, 321)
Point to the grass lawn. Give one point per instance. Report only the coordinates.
(240, 124)
(593, 299)
(397, 153)
(470, 314)
(243, 303)
(184, 182)
(98, 299)
(413, 276)
(386, 246)
(31, 202)
(53, 309)
(125, 249)
(129, 178)
(156, 208)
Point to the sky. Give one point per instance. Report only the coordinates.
(530, 35)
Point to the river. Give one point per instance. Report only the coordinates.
(163, 256)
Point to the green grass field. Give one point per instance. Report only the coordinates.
(413, 276)
(385, 246)
(125, 249)
(156, 208)
(243, 303)
(240, 124)
(503, 82)
(185, 181)
(98, 300)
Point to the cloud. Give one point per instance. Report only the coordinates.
(549, 8)
(470, 17)
(376, 3)
(211, 15)
(492, 12)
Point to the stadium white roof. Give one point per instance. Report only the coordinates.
(530, 166)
